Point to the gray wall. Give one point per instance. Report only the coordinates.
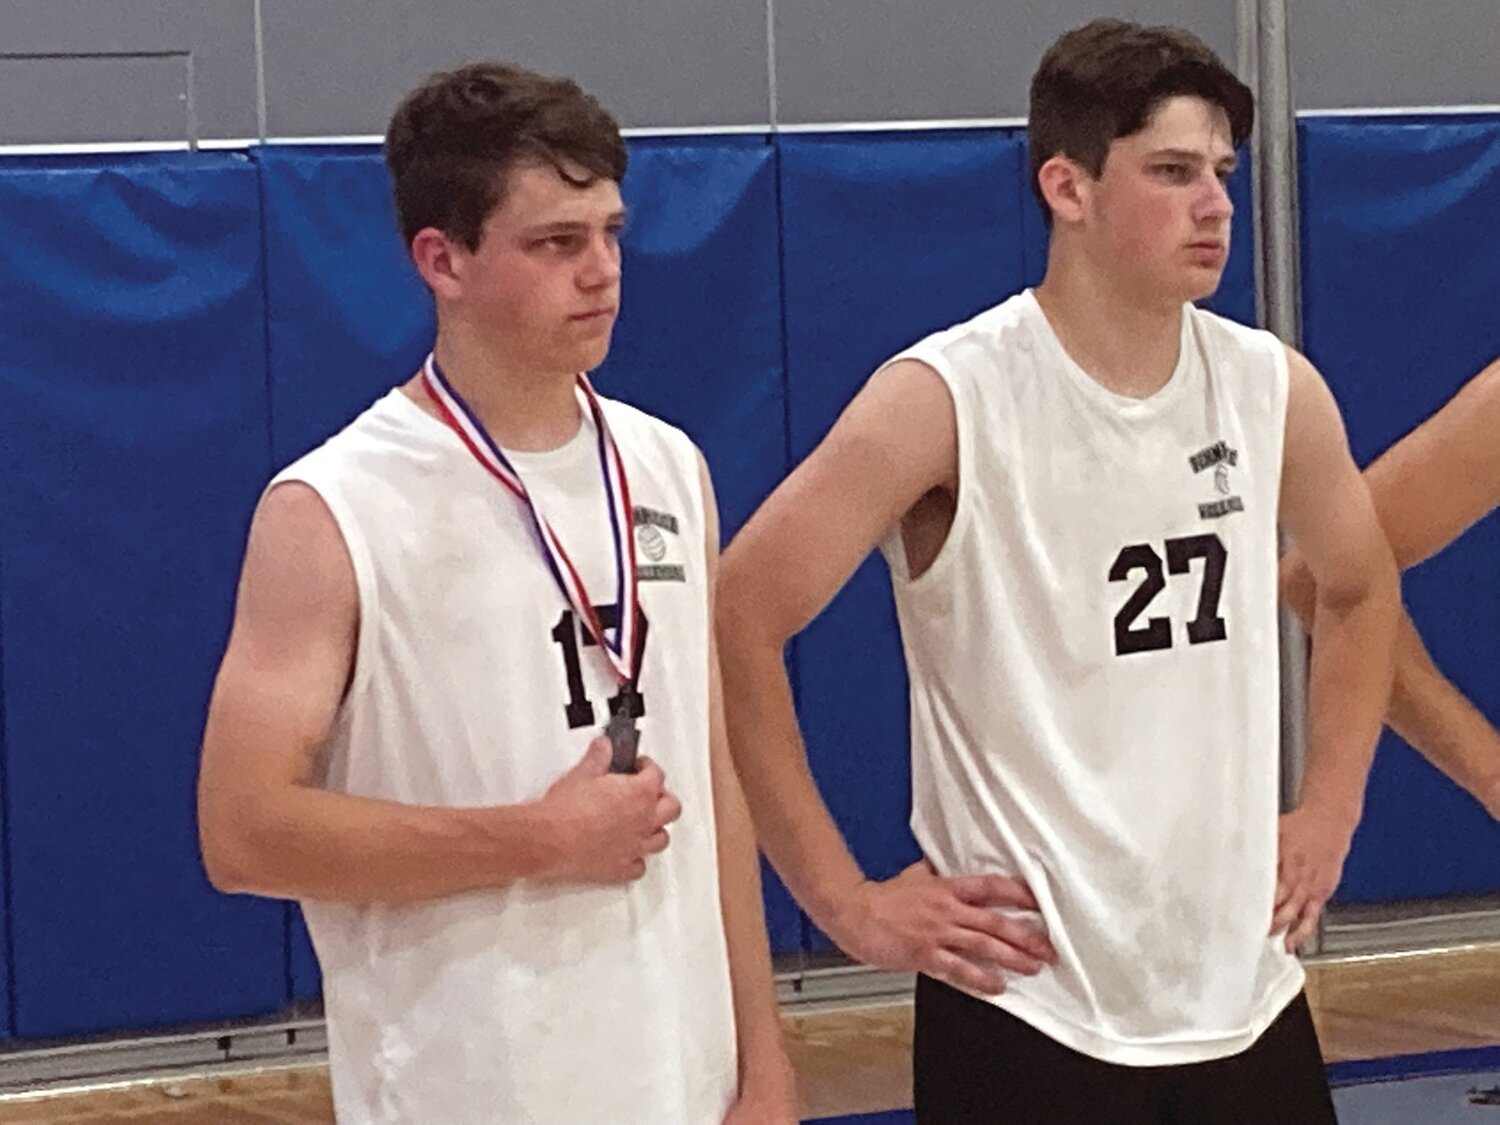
(1386, 53)
(336, 67)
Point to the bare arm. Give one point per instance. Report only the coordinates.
(1431, 714)
(765, 1075)
(266, 829)
(1327, 508)
(1427, 489)
(896, 442)
(1444, 475)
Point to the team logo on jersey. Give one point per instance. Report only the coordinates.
(1221, 458)
(1219, 453)
(652, 529)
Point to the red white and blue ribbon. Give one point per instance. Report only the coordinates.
(461, 419)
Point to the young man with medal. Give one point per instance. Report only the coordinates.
(443, 654)
(1078, 493)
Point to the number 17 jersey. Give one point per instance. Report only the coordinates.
(1094, 672)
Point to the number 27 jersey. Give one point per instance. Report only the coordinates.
(1094, 674)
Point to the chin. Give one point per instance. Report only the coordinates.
(1201, 287)
(586, 359)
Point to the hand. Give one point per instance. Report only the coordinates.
(1312, 848)
(947, 928)
(607, 823)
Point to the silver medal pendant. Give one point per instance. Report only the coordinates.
(623, 737)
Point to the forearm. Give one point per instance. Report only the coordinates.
(1437, 720)
(757, 1020)
(307, 843)
(1349, 686)
(793, 825)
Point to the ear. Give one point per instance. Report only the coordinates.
(439, 261)
(1064, 186)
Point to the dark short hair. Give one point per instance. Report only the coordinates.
(1103, 81)
(453, 141)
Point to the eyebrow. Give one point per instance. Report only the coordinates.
(1187, 156)
(568, 226)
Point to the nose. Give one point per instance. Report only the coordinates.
(1215, 204)
(601, 265)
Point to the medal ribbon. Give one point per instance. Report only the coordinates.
(462, 420)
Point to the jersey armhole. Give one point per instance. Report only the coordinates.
(1281, 369)
(893, 545)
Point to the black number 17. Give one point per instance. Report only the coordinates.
(1156, 633)
(566, 633)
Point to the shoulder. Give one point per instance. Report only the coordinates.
(633, 425)
(1227, 337)
(295, 529)
(298, 572)
(392, 425)
(983, 336)
(1252, 365)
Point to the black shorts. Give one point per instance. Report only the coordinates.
(974, 1062)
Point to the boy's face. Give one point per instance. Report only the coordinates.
(1157, 218)
(544, 282)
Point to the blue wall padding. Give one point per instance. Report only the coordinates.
(348, 317)
(1236, 295)
(887, 238)
(302, 963)
(7, 1028)
(1401, 274)
(699, 338)
(698, 342)
(133, 422)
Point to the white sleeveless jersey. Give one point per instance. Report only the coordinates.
(1095, 679)
(474, 684)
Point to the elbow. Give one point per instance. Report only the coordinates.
(735, 617)
(228, 853)
(1371, 589)
(225, 872)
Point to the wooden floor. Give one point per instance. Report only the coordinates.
(856, 1060)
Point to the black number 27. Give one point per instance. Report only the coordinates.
(1156, 633)
(567, 634)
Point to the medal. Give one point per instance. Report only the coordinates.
(623, 737)
(619, 644)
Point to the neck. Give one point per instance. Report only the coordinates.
(523, 408)
(1127, 344)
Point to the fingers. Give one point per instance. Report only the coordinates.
(1008, 932)
(981, 949)
(1306, 927)
(1297, 912)
(668, 809)
(648, 774)
(1288, 906)
(1298, 907)
(994, 890)
(595, 760)
(960, 973)
(657, 842)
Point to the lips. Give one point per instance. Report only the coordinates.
(593, 314)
